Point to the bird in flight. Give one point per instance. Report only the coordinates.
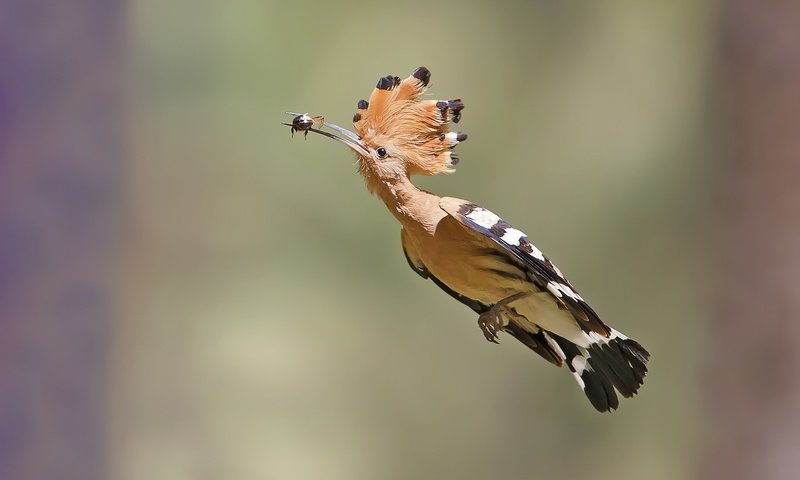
(469, 252)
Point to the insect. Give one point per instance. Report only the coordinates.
(302, 122)
(473, 254)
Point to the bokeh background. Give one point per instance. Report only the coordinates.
(186, 292)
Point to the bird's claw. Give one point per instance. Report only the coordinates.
(491, 323)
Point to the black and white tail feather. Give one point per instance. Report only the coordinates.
(600, 358)
(609, 363)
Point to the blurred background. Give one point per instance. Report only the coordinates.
(187, 292)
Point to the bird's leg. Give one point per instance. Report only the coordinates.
(493, 320)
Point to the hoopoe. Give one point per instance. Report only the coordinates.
(471, 253)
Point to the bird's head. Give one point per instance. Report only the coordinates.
(398, 135)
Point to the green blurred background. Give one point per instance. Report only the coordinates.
(262, 321)
(269, 325)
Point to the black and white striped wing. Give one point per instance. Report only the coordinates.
(537, 342)
(540, 269)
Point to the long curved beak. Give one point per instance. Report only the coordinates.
(348, 138)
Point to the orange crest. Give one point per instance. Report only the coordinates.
(413, 133)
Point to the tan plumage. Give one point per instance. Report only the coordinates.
(474, 255)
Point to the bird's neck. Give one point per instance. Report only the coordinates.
(411, 206)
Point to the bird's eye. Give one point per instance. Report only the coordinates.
(381, 152)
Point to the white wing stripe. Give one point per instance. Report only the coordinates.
(512, 236)
(558, 288)
(483, 217)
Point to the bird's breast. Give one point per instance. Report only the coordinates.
(470, 263)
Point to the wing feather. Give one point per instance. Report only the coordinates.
(540, 269)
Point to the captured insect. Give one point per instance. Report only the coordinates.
(302, 122)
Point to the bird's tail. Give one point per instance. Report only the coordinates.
(606, 364)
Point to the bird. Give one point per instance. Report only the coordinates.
(473, 254)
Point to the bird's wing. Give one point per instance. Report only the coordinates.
(539, 268)
(537, 342)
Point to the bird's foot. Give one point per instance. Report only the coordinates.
(491, 322)
(496, 318)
